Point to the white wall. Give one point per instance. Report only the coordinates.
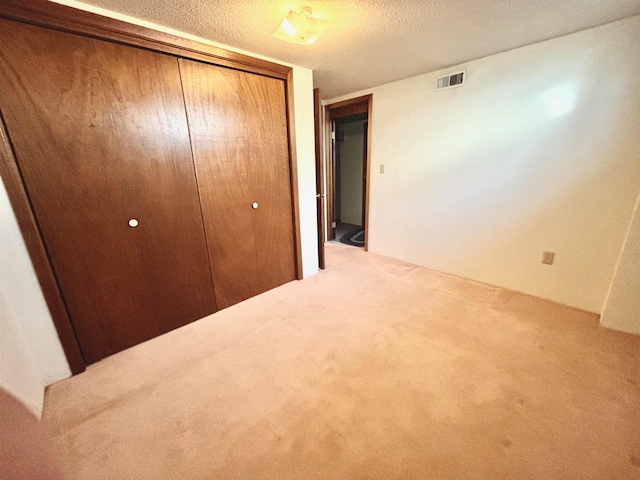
(31, 356)
(306, 156)
(351, 171)
(622, 311)
(538, 151)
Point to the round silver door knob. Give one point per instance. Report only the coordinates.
(133, 223)
(254, 205)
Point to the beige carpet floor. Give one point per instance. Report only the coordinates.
(372, 369)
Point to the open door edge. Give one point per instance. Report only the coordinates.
(320, 196)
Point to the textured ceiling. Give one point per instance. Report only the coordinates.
(372, 42)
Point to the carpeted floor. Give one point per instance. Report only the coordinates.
(372, 369)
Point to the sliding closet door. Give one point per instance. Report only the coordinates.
(238, 127)
(101, 138)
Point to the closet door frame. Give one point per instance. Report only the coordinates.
(59, 17)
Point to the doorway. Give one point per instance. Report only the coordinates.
(350, 149)
(348, 152)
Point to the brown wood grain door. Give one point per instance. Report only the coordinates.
(100, 135)
(238, 127)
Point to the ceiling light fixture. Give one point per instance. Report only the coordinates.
(300, 26)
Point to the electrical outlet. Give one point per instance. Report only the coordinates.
(382, 168)
(333, 224)
(548, 257)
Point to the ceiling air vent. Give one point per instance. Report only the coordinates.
(449, 81)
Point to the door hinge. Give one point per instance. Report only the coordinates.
(333, 135)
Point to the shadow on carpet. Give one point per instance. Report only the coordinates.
(354, 237)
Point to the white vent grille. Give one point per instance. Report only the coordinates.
(450, 81)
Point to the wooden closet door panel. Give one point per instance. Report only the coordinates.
(225, 193)
(273, 184)
(238, 129)
(100, 135)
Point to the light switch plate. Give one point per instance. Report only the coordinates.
(382, 168)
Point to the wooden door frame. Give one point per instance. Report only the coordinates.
(317, 124)
(67, 19)
(365, 175)
(333, 112)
